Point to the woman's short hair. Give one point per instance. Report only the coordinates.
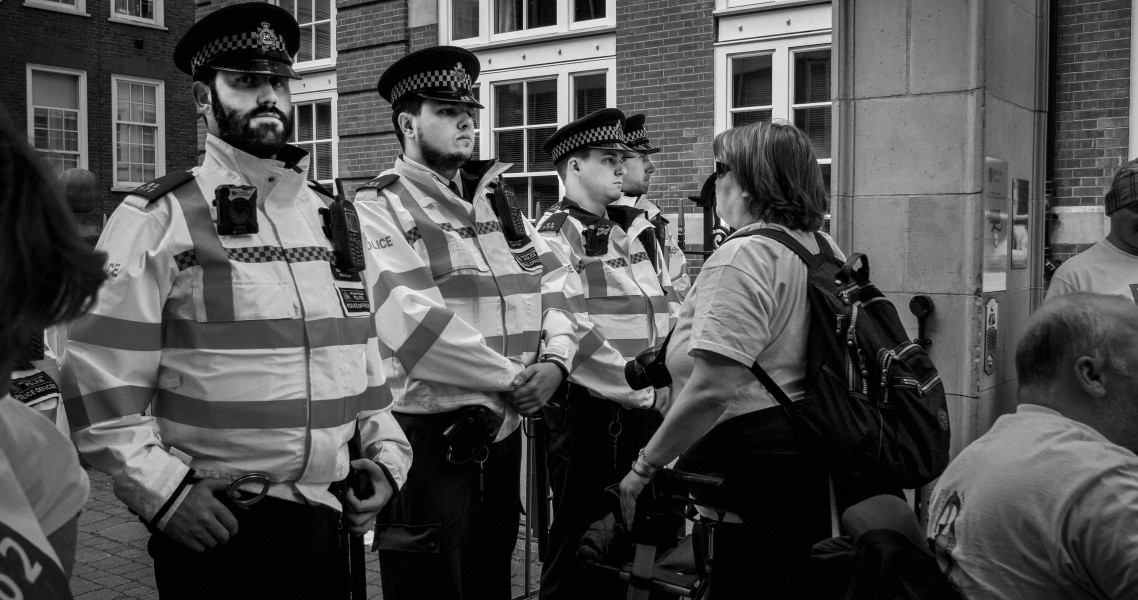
(774, 163)
(48, 273)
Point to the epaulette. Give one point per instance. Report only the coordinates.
(320, 190)
(153, 190)
(554, 222)
(380, 182)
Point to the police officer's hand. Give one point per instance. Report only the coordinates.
(535, 385)
(359, 515)
(630, 488)
(201, 521)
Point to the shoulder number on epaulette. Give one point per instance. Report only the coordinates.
(153, 190)
(554, 222)
(380, 182)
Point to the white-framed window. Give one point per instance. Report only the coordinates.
(138, 130)
(141, 12)
(314, 131)
(317, 20)
(721, 5)
(78, 7)
(524, 108)
(57, 115)
(785, 79)
(473, 22)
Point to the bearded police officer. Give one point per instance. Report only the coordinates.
(451, 531)
(233, 351)
(625, 279)
(638, 171)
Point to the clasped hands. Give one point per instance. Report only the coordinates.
(533, 387)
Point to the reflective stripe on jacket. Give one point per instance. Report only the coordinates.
(511, 302)
(676, 259)
(241, 352)
(624, 295)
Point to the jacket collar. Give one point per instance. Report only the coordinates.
(621, 216)
(291, 162)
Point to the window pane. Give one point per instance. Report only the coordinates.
(507, 15)
(304, 11)
(542, 96)
(323, 10)
(538, 159)
(584, 10)
(304, 122)
(751, 116)
(323, 41)
(812, 76)
(146, 9)
(465, 22)
(323, 161)
(542, 13)
(56, 90)
(825, 167)
(544, 195)
(751, 81)
(588, 94)
(511, 148)
(324, 120)
(815, 123)
(305, 45)
(508, 101)
(289, 5)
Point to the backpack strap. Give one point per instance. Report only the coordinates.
(773, 388)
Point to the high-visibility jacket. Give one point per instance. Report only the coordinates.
(625, 288)
(515, 299)
(676, 259)
(229, 354)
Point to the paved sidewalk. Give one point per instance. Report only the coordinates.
(111, 561)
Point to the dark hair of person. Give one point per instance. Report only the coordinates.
(775, 164)
(411, 104)
(49, 274)
(563, 164)
(1070, 326)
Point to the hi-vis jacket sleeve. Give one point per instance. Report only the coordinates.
(381, 438)
(596, 365)
(412, 320)
(562, 303)
(119, 376)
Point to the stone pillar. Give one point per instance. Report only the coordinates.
(925, 91)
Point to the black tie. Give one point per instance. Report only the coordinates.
(454, 188)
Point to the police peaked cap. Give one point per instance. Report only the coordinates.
(636, 137)
(602, 130)
(441, 73)
(253, 37)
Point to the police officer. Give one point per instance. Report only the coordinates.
(451, 531)
(229, 355)
(624, 274)
(638, 171)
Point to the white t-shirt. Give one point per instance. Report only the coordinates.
(1100, 269)
(748, 303)
(1039, 507)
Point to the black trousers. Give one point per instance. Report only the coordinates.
(580, 463)
(442, 538)
(282, 549)
(782, 496)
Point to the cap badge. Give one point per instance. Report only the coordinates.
(266, 34)
(460, 73)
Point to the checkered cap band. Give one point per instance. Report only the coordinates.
(604, 134)
(1124, 188)
(635, 138)
(239, 41)
(450, 79)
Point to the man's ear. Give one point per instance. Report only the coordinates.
(1090, 374)
(407, 124)
(203, 98)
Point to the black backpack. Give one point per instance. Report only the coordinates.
(874, 401)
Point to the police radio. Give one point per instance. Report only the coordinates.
(342, 226)
(236, 209)
(505, 206)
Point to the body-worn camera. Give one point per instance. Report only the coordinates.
(236, 209)
(648, 369)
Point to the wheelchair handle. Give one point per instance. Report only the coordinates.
(709, 482)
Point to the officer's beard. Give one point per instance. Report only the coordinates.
(235, 129)
(439, 161)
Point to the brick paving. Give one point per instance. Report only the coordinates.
(111, 561)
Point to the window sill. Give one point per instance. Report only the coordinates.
(744, 10)
(526, 41)
(55, 8)
(312, 66)
(114, 19)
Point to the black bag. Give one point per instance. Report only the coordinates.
(874, 401)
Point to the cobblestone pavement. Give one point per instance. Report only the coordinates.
(111, 561)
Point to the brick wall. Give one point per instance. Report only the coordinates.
(100, 48)
(1092, 102)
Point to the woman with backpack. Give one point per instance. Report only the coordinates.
(749, 304)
